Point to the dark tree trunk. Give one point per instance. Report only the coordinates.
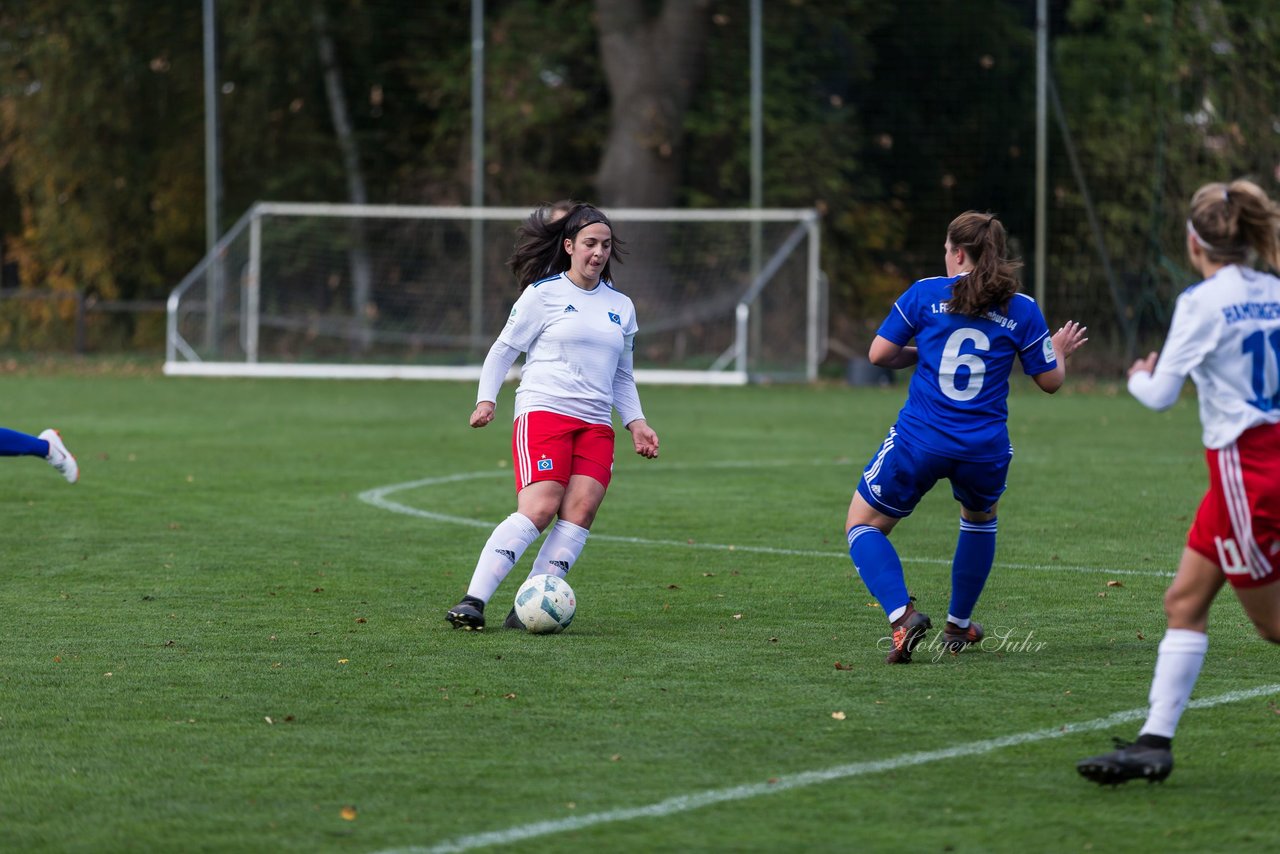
(652, 66)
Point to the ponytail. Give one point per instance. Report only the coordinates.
(1232, 221)
(993, 280)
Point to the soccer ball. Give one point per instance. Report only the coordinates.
(545, 604)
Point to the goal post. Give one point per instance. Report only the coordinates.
(723, 296)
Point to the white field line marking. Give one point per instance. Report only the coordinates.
(697, 800)
(378, 498)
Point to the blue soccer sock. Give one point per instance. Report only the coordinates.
(975, 552)
(880, 568)
(15, 444)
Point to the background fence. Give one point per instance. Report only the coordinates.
(889, 117)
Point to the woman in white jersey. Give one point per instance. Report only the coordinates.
(578, 334)
(1225, 334)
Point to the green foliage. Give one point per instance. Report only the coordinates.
(92, 124)
(889, 117)
(1161, 98)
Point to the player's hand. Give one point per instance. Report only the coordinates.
(1144, 366)
(483, 413)
(643, 437)
(1069, 338)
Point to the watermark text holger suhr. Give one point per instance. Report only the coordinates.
(1002, 639)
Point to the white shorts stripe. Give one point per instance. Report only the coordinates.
(873, 472)
(522, 449)
(1237, 497)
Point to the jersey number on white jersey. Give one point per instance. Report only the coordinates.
(1256, 345)
(953, 360)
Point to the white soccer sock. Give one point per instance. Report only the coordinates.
(1177, 667)
(561, 549)
(508, 541)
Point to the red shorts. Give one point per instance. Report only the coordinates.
(1238, 523)
(549, 446)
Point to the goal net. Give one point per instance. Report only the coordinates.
(370, 291)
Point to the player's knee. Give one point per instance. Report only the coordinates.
(579, 514)
(539, 513)
(1183, 610)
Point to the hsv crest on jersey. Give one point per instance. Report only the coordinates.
(615, 318)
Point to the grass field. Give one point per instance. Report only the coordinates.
(229, 636)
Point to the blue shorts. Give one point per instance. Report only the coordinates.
(898, 476)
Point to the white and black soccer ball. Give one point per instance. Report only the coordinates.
(545, 604)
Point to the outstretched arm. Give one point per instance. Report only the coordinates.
(1152, 391)
(1067, 340)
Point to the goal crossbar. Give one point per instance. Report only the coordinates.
(378, 292)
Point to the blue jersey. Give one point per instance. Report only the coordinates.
(957, 403)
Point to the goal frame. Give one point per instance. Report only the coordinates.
(731, 368)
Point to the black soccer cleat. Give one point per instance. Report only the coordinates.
(467, 614)
(955, 638)
(1128, 762)
(907, 636)
(513, 621)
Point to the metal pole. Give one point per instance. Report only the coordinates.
(251, 308)
(757, 163)
(816, 318)
(757, 111)
(1042, 146)
(212, 178)
(477, 173)
(211, 165)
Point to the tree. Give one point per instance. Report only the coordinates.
(653, 66)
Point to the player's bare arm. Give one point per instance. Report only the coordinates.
(886, 354)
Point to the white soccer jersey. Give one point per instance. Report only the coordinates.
(1225, 334)
(578, 346)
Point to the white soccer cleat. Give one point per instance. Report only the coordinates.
(59, 457)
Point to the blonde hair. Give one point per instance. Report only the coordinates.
(1231, 221)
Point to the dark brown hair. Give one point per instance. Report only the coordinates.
(1230, 221)
(993, 280)
(539, 250)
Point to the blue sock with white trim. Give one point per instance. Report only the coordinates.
(879, 567)
(975, 552)
(15, 444)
